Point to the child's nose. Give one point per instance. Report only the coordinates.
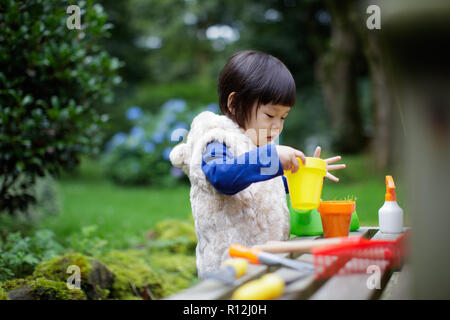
(276, 124)
(275, 130)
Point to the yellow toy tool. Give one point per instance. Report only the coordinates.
(269, 286)
(230, 270)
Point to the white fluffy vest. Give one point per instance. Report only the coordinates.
(252, 216)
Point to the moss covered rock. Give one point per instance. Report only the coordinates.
(180, 264)
(164, 266)
(178, 271)
(134, 276)
(14, 284)
(125, 274)
(96, 278)
(3, 294)
(41, 289)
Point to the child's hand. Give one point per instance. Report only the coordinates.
(288, 157)
(330, 167)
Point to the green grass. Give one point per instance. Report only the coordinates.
(122, 214)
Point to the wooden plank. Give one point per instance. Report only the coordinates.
(399, 286)
(211, 289)
(355, 286)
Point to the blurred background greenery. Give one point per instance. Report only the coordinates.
(144, 68)
(167, 56)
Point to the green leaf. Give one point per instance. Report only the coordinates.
(27, 100)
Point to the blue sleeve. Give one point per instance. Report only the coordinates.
(229, 174)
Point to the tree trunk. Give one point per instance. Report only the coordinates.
(337, 72)
(383, 142)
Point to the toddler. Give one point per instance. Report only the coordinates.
(238, 192)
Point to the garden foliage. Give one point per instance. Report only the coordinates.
(36, 267)
(142, 155)
(19, 255)
(51, 78)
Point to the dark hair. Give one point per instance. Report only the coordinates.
(254, 76)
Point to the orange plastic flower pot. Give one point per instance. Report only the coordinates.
(336, 217)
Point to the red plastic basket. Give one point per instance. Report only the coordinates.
(357, 255)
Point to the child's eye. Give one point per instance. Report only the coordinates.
(269, 115)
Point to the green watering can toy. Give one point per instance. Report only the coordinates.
(305, 189)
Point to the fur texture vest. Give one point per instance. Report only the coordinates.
(252, 216)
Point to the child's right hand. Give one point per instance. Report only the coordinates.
(288, 157)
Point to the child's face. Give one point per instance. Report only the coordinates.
(266, 124)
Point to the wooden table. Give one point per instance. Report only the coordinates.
(393, 284)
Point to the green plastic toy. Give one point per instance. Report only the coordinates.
(309, 223)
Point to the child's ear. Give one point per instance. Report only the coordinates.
(230, 102)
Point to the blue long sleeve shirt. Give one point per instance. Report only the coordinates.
(229, 174)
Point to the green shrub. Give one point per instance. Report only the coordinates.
(88, 242)
(19, 255)
(196, 93)
(51, 78)
(150, 96)
(174, 236)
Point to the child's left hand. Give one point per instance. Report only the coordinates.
(330, 167)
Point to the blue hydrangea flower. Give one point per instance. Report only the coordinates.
(175, 105)
(166, 153)
(149, 147)
(134, 113)
(132, 142)
(213, 107)
(169, 118)
(109, 146)
(118, 139)
(180, 125)
(137, 132)
(158, 136)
